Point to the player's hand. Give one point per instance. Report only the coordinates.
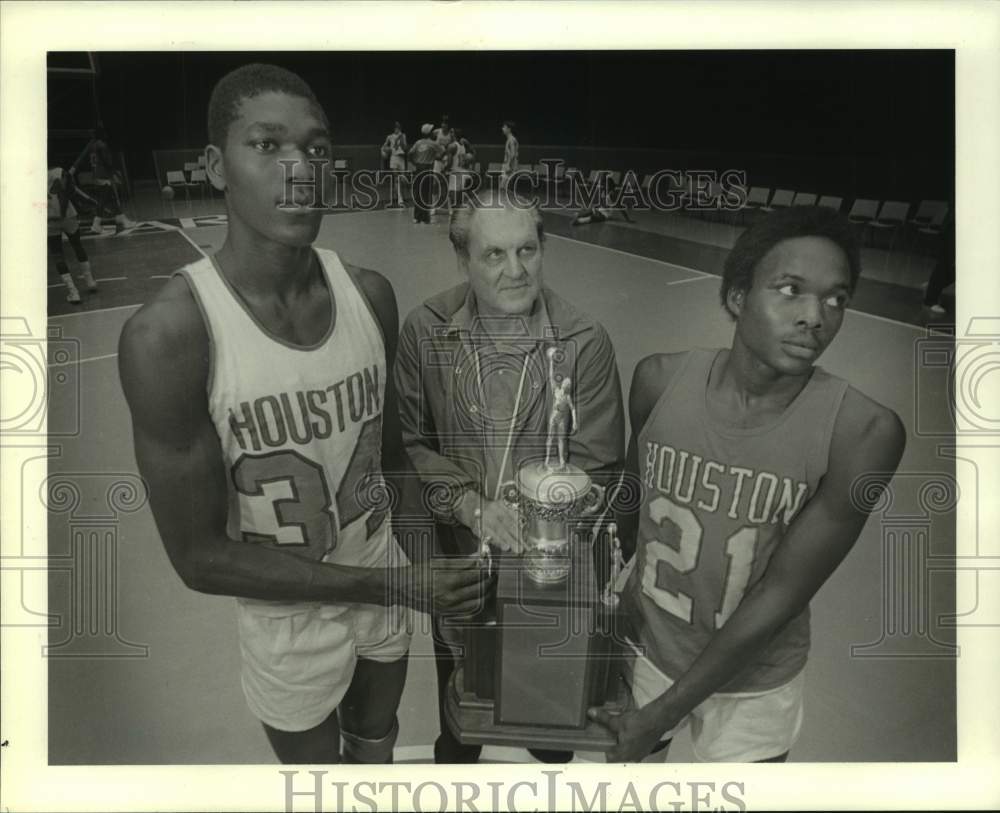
(446, 585)
(638, 732)
(498, 523)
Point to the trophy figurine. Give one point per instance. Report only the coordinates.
(549, 495)
(562, 417)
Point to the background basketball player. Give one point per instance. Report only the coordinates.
(63, 220)
(97, 158)
(394, 150)
(748, 459)
(263, 416)
(510, 149)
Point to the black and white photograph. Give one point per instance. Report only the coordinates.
(609, 417)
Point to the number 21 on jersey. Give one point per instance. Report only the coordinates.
(741, 547)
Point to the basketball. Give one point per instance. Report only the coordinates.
(168, 192)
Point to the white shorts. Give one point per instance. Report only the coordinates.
(298, 666)
(397, 162)
(730, 727)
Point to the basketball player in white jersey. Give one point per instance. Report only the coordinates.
(394, 148)
(510, 148)
(263, 417)
(747, 459)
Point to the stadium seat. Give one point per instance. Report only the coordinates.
(863, 210)
(782, 198)
(831, 202)
(930, 213)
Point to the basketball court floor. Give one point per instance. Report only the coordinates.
(881, 675)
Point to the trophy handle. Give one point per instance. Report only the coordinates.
(509, 494)
(592, 500)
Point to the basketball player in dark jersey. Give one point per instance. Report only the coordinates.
(747, 458)
(255, 423)
(98, 158)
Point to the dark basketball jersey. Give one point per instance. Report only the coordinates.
(717, 500)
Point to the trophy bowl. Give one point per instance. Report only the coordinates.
(548, 499)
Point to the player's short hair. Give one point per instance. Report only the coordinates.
(785, 224)
(461, 217)
(510, 124)
(247, 82)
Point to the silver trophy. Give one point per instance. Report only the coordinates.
(550, 495)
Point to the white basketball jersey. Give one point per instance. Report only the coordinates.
(300, 427)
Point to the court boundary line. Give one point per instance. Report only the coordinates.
(918, 328)
(183, 233)
(630, 254)
(96, 310)
(99, 279)
(688, 279)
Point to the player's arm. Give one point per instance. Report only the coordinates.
(63, 192)
(163, 364)
(397, 468)
(75, 166)
(868, 441)
(74, 193)
(649, 381)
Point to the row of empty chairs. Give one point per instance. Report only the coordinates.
(871, 215)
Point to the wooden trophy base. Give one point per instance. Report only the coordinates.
(472, 721)
(528, 677)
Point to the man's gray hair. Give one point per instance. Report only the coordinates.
(461, 216)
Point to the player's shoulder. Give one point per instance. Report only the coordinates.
(167, 326)
(377, 290)
(372, 284)
(864, 422)
(650, 380)
(655, 371)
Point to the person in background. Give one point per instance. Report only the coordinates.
(424, 152)
(394, 150)
(97, 157)
(510, 149)
(460, 161)
(943, 274)
(62, 220)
